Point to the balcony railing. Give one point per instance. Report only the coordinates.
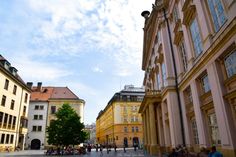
(152, 92)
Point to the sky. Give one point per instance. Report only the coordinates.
(94, 47)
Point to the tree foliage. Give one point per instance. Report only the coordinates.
(66, 129)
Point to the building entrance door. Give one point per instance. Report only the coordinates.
(35, 144)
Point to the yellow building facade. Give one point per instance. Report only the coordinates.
(190, 69)
(120, 123)
(14, 96)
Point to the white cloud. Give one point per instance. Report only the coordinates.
(113, 27)
(33, 70)
(97, 69)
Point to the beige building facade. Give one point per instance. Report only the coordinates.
(14, 95)
(120, 123)
(190, 72)
(44, 103)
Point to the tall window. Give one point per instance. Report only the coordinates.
(136, 128)
(14, 89)
(1, 118)
(132, 129)
(14, 122)
(158, 81)
(196, 38)
(163, 69)
(195, 133)
(6, 84)
(217, 13)
(53, 109)
(230, 64)
(125, 129)
(12, 138)
(5, 120)
(183, 55)
(12, 104)
(205, 84)
(26, 97)
(3, 103)
(9, 121)
(214, 131)
(7, 139)
(2, 138)
(175, 13)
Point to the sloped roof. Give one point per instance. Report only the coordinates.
(43, 95)
(63, 93)
(47, 93)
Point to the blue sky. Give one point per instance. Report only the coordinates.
(92, 46)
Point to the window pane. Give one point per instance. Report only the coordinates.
(196, 38)
(230, 64)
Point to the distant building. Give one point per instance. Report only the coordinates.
(91, 130)
(189, 59)
(120, 122)
(44, 103)
(14, 95)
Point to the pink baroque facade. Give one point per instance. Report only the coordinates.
(190, 76)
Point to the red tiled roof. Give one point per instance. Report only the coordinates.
(63, 93)
(42, 95)
(47, 93)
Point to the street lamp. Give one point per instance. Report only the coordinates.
(158, 6)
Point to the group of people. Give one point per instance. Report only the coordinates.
(66, 151)
(183, 152)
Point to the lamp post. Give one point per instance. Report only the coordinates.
(158, 6)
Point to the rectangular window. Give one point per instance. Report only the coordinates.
(158, 82)
(24, 109)
(1, 118)
(12, 104)
(3, 103)
(116, 137)
(34, 128)
(35, 117)
(196, 38)
(205, 84)
(41, 107)
(132, 129)
(2, 138)
(195, 133)
(217, 13)
(53, 109)
(175, 13)
(137, 129)
(230, 64)
(125, 129)
(39, 128)
(36, 107)
(12, 138)
(26, 97)
(5, 120)
(163, 69)
(14, 123)
(14, 89)
(40, 117)
(9, 121)
(183, 55)
(7, 138)
(214, 131)
(6, 84)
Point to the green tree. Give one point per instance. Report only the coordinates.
(66, 129)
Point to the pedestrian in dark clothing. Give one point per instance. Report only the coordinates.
(214, 153)
(173, 153)
(124, 148)
(96, 147)
(115, 146)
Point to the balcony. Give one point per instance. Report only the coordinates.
(151, 96)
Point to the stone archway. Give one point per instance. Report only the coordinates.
(35, 144)
(135, 141)
(125, 142)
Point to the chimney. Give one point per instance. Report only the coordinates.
(29, 84)
(39, 87)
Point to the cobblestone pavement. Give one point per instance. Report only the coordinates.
(119, 153)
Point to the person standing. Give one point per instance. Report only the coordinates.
(214, 152)
(101, 147)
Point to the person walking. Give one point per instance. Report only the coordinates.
(101, 147)
(214, 152)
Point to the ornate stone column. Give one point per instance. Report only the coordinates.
(153, 146)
